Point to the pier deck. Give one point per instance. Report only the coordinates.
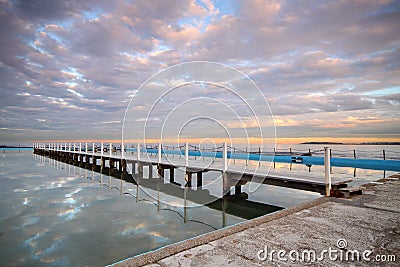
(237, 174)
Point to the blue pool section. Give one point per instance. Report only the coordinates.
(373, 164)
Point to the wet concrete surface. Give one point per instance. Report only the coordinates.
(354, 232)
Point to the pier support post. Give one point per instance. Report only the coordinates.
(171, 174)
(151, 170)
(160, 170)
(188, 178)
(238, 189)
(123, 165)
(199, 179)
(327, 164)
(110, 165)
(140, 167)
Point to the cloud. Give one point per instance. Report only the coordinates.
(66, 65)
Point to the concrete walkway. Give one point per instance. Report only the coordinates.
(361, 231)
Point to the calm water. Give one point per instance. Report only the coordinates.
(55, 214)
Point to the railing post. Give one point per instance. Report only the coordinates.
(247, 157)
(384, 154)
(102, 149)
(138, 151)
(225, 157)
(111, 148)
(354, 154)
(186, 154)
(80, 147)
(122, 150)
(86, 148)
(93, 149)
(74, 147)
(327, 164)
(159, 152)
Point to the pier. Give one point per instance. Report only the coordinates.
(131, 161)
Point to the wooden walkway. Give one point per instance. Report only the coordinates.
(235, 175)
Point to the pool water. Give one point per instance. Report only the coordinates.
(55, 214)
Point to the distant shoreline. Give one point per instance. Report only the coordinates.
(363, 143)
(2, 146)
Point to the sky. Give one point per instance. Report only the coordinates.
(322, 70)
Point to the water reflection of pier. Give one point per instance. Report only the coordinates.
(236, 204)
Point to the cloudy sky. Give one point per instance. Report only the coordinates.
(328, 69)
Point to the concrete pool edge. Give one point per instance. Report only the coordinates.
(169, 250)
